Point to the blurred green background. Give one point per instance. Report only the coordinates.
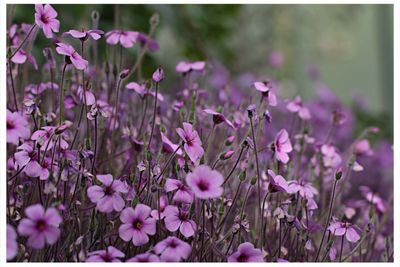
(351, 44)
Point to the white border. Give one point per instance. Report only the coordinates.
(396, 70)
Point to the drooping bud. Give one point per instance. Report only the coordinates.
(158, 75)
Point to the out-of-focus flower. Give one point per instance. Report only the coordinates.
(205, 182)
(277, 183)
(362, 147)
(330, 156)
(173, 249)
(158, 75)
(296, 106)
(193, 145)
(107, 197)
(246, 253)
(145, 257)
(219, 118)
(126, 38)
(186, 66)
(163, 205)
(179, 219)
(282, 146)
(305, 190)
(89, 96)
(84, 35)
(21, 57)
(345, 228)
(373, 198)
(145, 40)
(265, 89)
(276, 59)
(137, 225)
(183, 193)
(72, 56)
(41, 226)
(17, 127)
(111, 254)
(45, 18)
(168, 146)
(12, 245)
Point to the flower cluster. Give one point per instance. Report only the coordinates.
(104, 165)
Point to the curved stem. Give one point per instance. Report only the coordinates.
(234, 166)
(23, 41)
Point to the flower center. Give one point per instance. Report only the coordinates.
(10, 124)
(108, 191)
(203, 185)
(137, 225)
(242, 258)
(173, 244)
(44, 18)
(41, 225)
(106, 257)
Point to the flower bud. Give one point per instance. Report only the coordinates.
(338, 174)
(124, 74)
(158, 75)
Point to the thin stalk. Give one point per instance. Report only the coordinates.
(153, 123)
(341, 249)
(12, 85)
(23, 41)
(61, 93)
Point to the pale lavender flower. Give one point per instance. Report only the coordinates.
(345, 228)
(282, 146)
(126, 38)
(265, 89)
(84, 35)
(186, 66)
(296, 106)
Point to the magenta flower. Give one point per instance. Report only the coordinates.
(172, 249)
(90, 98)
(330, 156)
(72, 56)
(41, 226)
(305, 190)
(140, 89)
(145, 257)
(44, 137)
(17, 127)
(296, 106)
(21, 57)
(179, 219)
(186, 66)
(277, 183)
(84, 35)
(163, 205)
(246, 253)
(45, 18)
(282, 146)
(193, 145)
(205, 182)
(362, 147)
(126, 38)
(144, 39)
(107, 197)
(345, 228)
(265, 89)
(168, 146)
(111, 254)
(219, 118)
(137, 225)
(183, 193)
(158, 75)
(12, 245)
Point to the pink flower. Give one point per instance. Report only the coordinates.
(246, 253)
(144, 39)
(137, 225)
(158, 75)
(90, 98)
(219, 118)
(183, 193)
(12, 245)
(186, 66)
(305, 190)
(21, 56)
(72, 56)
(145, 257)
(179, 219)
(44, 137)
(41, 226)
(205, 182)
(172, 249)
(362, 147)
(168, 146)
(107, 197)
(265, 89)
(193, 144)
(282, 146)
(45, 18)
(345, 228)
(140, 89)
(111, 254)
(17, 127)
(330, 157)
(296, 106)
(163, 205)
(276, 59)
(277, 183)
(373, 198)
(84, 35)
(125, 38)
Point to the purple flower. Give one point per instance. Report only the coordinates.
(145, 257)
(72, 56)
(45, 18)
(152, 45)
(158, 75)
(17, 127)
(305, 190)
(163, 205)
(90, 98)
(362, 147)
(173, 249)
(330, 157)
(265, 89)
(193, 144)
(137, 225)
(183, 193)
(126, 38)
(21, 57)
(12, 245)
(277, 183)
(282, 146)
(246, 253)
(186, 66)
(140, 89)
(107, 197)
(296, 106)
(205, 182)
(179, 219)
(168, 146)
(373, 198)
(219, 118)
(345, 228)
(84, 35)
(41, 226)
(111, 254)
